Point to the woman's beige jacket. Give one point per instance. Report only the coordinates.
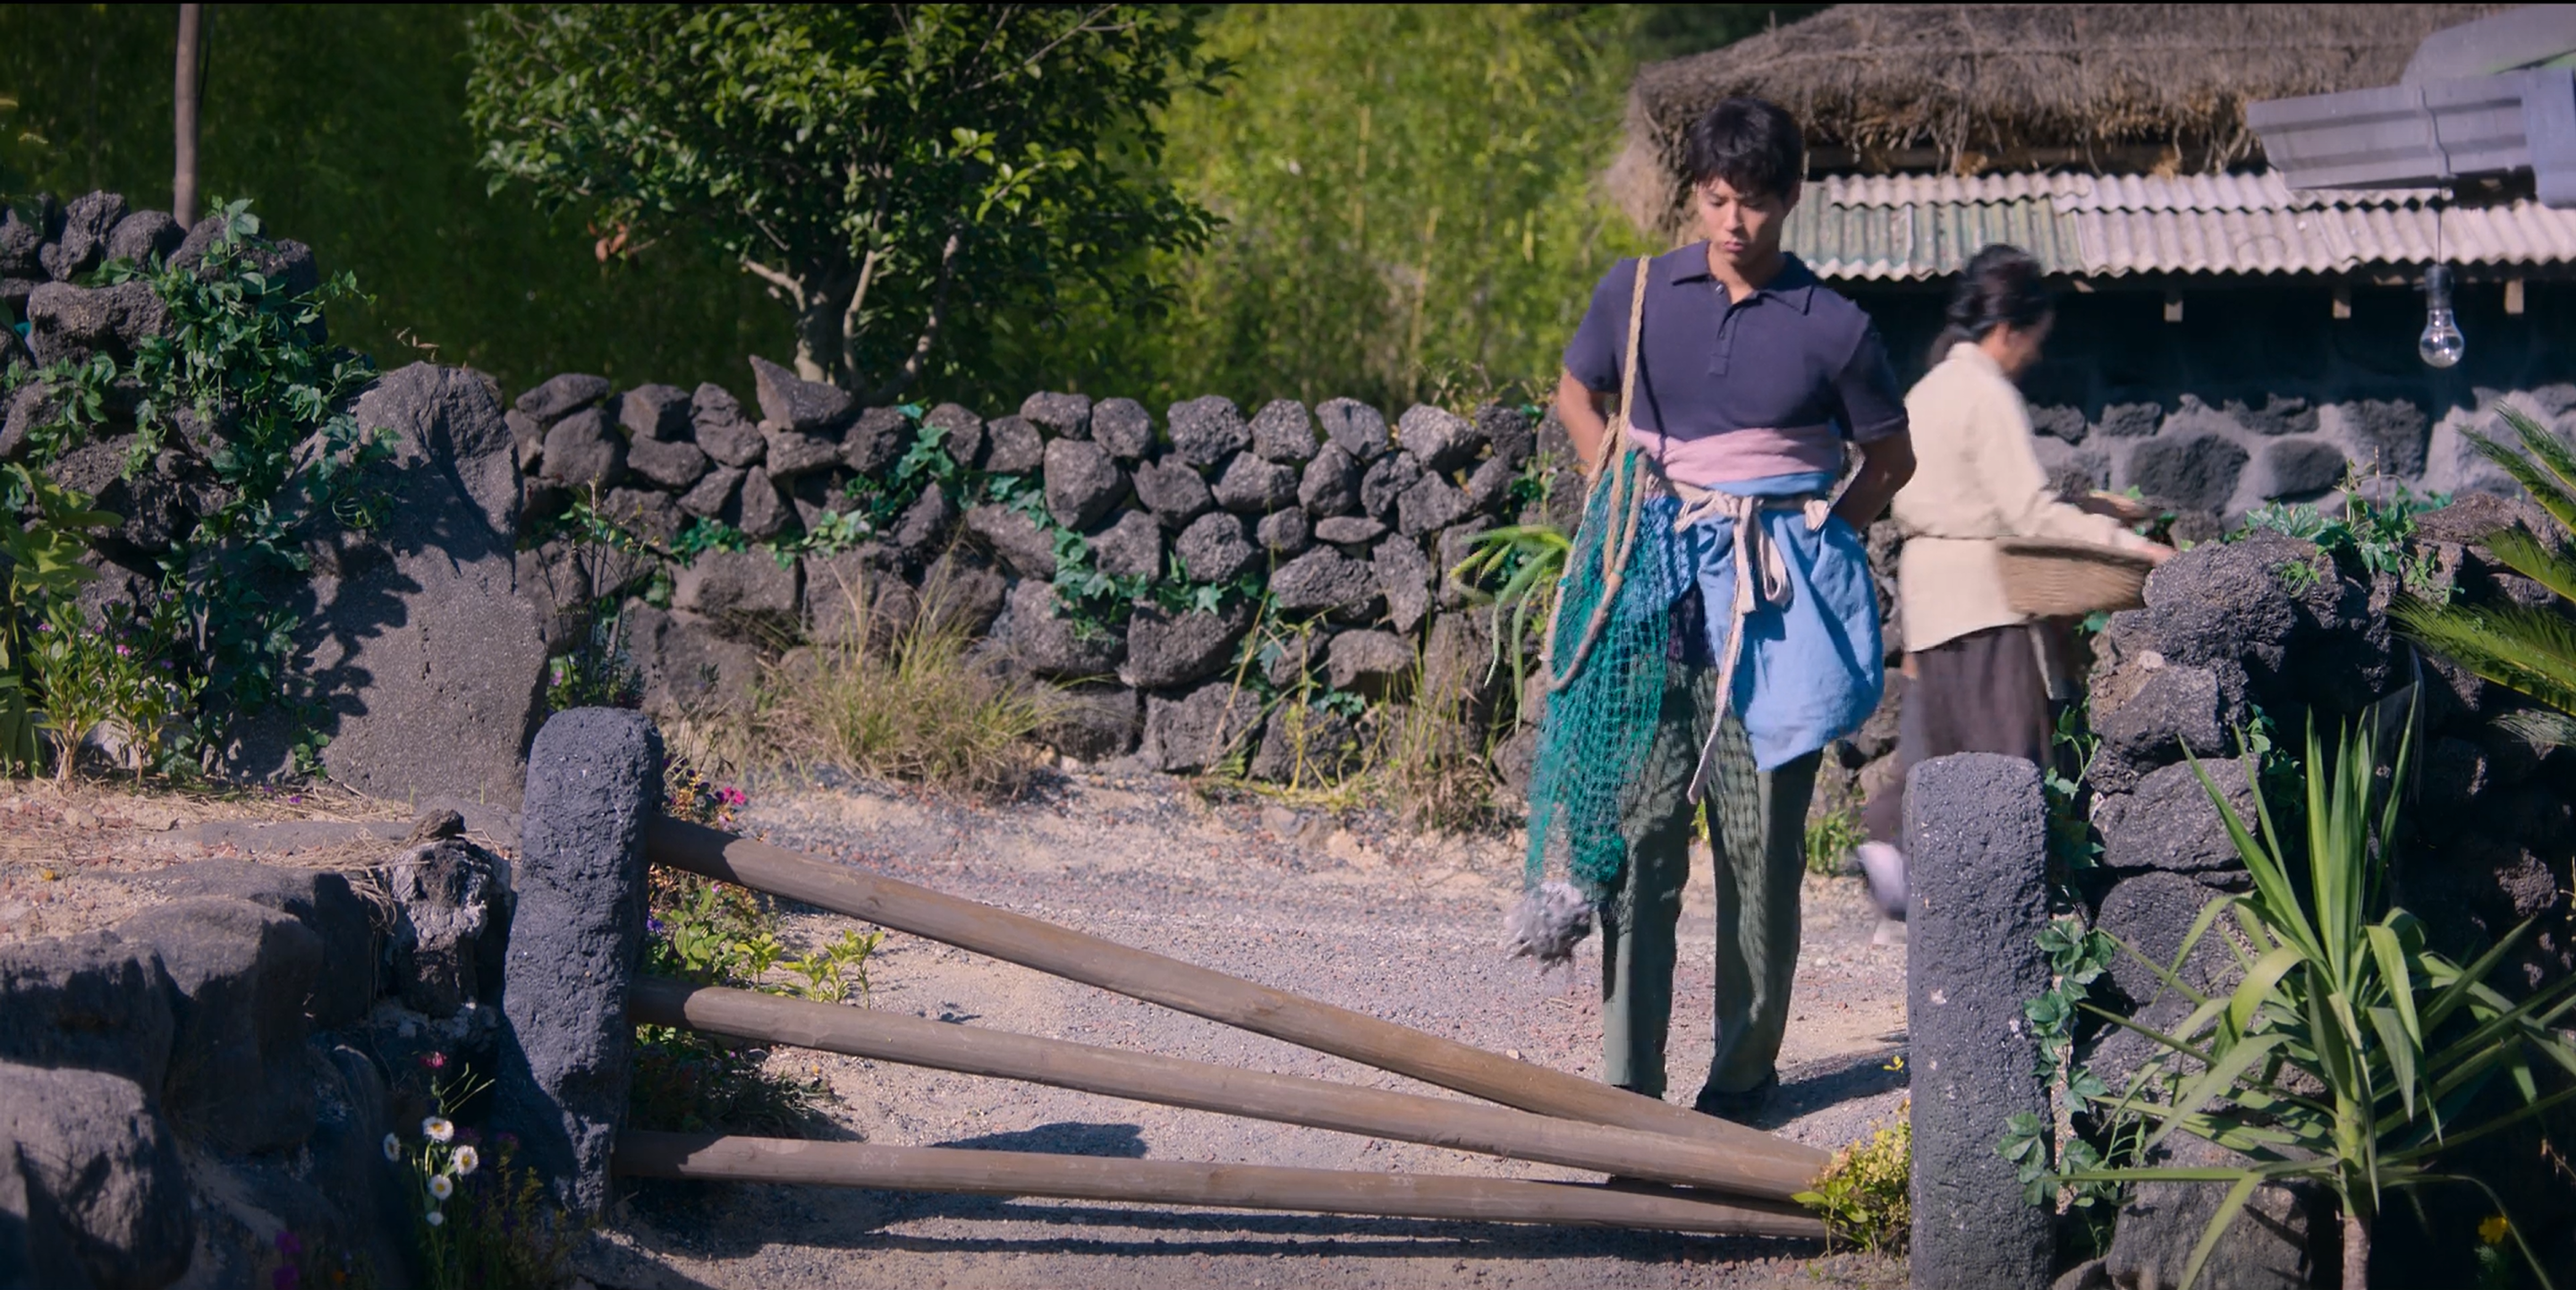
(1977, 478)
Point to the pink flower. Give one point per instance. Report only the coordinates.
(435, 1061)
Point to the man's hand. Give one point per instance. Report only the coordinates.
(1586, 414)
(1885, 465)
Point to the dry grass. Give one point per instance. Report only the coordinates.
(901, 695)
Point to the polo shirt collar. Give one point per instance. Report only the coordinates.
(1794, 285)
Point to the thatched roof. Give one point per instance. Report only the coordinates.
(1965, 88)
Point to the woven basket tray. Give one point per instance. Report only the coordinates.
(2048, 578)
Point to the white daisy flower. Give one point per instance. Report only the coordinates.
(393, 1148)
(437, 1128)
(442, 1187)
(437, 1219)
(465, 1160)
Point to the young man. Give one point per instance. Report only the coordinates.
(1751, 378)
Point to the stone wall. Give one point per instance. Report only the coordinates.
(223, 1067)
(2259, 394)
(1337, 519)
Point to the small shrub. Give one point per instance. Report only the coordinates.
(913, 702)
(1863, 1196)
(1430, 759)
(1831, 839)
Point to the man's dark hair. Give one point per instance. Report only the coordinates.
(1753, 144)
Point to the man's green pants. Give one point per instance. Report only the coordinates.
(1757, 834)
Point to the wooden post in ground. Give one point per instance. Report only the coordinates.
(1172, 1081)
(1156, 978)
(1178, 1182)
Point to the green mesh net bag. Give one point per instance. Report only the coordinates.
(1606, 661)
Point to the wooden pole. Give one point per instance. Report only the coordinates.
(183, 179)
(1155, 978)
(647, 1154)
(1173, 1081)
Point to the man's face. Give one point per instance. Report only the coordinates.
(1743, 228)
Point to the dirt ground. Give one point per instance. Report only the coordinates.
(1400, 926)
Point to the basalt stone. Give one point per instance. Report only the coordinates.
(1303, 745)
(2073, 472)
(1284, 533)
(1013, 446)
(1299, 656)
(794, 403)
(527, 439)
(1082, 484)
(69, 324)
(1438, 438)
(351, 930)
(2295, 468)
(2059, 422)
(1386, 482)
(876, 440)
(924, 524)
(2153, 912)
(1330, 485)
(92, 1000)
(150, 503)
(1096, 723)
(1512, 433)
(143, 236)
(1065, 416)
(1324, 579)
(676, 465)
(1124, 427)
(713, 496)
(14, 353)
(647, 513)
(1015, 538)
(1283, 432)
(1045, 641)
(689, 666)
(1188, 735)
(655, 412)
(2274, 1243)
(748, 585)
(1214, 548)
(2394, 433)
(82, 242)
(1132, 547)
(1251, 486)
(1166, 649)
(20, 242)
(2132, 420)
(2278, 415)
(584, 451)
(732, 442)
(763, 511)
(1431, 503)
(94, 1192)
(2164, 711)
(1977, 831)
(791, 453)
(1487, 484)
(576, 941)
(2228, 601)
(2455, 775)
(14, 293)
(1206, 431)
(1172, 491)
(449, 895)
(1405, 576)
(240, 976)
(962, 432)
(1355, 428)
(2169, 823)
(960, 591)
(1373, 657)
(29, 406)
(2193, 473)
(569, 392)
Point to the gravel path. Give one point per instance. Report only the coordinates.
(1402, 927)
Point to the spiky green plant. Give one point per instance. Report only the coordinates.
(1529, 558)
(2351, 1054)
(2528, 649)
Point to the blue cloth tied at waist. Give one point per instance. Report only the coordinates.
(1810, 669)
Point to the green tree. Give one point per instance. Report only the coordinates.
(345, 126)
(897, 173)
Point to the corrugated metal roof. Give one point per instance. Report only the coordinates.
(1915, 227)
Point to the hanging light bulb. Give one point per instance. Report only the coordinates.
(2441, 343)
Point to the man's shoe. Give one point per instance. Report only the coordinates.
(1739, 1107)
(1884, 866)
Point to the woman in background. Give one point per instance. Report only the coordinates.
(1978, 670)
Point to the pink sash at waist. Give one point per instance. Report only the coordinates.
(1739, 455)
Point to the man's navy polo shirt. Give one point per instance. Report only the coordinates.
(1794, 353)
